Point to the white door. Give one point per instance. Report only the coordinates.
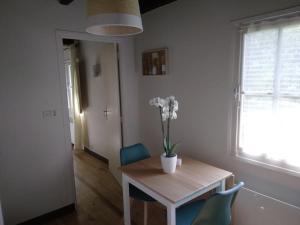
(112, 112)
(102, 125)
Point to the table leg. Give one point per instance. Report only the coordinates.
(171, 211)
(126, 200)
(222, 186)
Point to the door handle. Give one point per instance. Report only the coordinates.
(106, 113)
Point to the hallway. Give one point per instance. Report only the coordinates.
(99, 197)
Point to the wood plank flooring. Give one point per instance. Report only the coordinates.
(99, 198)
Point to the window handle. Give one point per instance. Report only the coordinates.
(237, 92)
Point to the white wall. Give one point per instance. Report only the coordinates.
(202, 42)
(35, 164)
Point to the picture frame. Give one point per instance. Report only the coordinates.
(155, 62)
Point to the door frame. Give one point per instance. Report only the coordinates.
(81, 36)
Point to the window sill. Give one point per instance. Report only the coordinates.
(267, 166)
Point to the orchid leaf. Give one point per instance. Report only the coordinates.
(170, 146)
(166, 146)
(173, 147)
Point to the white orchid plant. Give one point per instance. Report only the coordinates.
(168, 108)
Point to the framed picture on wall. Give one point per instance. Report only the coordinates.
(155, 62)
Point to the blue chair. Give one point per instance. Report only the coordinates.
(214, 211)
(133, 154)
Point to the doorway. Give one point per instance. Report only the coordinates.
(92, 81)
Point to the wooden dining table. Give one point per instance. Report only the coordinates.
(191, 180)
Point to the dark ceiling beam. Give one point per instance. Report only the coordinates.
(145, 5)
(148, 5)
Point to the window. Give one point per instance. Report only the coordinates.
(269, 94)
(68, 72)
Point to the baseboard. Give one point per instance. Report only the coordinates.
(97, 156)
(52, 215)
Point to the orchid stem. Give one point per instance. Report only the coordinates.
(162, 125)
(168, 134)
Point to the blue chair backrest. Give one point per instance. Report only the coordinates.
(133, 154)
(217, 209)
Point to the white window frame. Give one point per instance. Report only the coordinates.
(236, 113)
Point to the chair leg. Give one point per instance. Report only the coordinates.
(145, 213)
(131, 203)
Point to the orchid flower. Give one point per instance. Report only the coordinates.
(157, 102)
(168, 111)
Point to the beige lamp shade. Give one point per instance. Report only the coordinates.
(114, 17)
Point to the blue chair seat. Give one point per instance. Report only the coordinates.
(138, 194)
(187, 213)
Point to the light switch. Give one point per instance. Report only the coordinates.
(48, 114)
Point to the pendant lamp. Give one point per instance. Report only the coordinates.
(114, 17)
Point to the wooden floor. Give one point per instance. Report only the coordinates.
(99, 198)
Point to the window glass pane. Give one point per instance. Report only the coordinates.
(256, 126)
(269, 130)
(259, 60)
(289, 69)
(287, 144)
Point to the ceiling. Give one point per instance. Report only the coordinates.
(145, 5)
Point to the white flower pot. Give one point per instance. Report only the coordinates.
(168, 164)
